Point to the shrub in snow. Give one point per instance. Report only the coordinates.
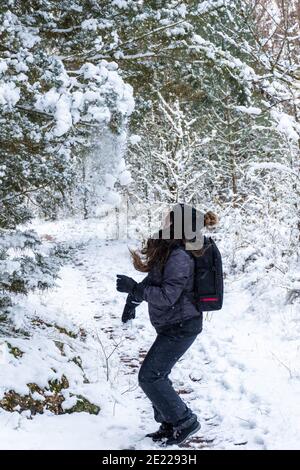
(23, 266)
(50, 372)
(50, 399)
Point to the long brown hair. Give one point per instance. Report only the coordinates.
(155, 251)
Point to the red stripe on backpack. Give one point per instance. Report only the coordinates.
(208, 299)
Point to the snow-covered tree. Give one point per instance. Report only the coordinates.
(64, 81)
(48, 114)
(248, 158)
(167, 164)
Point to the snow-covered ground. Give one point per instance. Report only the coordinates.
(241, 376)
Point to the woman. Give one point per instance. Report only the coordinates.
(168, 289)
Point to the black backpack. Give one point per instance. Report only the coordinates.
(208, 283)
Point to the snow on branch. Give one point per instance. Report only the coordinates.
(271, 166)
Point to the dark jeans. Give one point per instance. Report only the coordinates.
(171, 343)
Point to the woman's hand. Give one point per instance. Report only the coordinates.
(128, 313)
(125, 283)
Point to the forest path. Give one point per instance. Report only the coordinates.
(241, 376)
(228, 377)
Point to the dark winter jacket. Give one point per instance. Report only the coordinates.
(169, 293)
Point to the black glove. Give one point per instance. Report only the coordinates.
(128, 313)
(125, 283)
(129, 309)
(138, 292)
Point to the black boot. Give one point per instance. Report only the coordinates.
(165, 431)
(180, 435)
